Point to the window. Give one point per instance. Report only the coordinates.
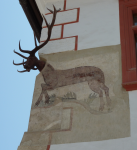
(128, 34)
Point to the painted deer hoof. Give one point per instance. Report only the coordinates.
(101, 108)
(37, 103)
(47, 102)
(108, 103)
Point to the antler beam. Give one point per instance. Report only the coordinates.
(49, 30)
(20, 54)
(23, 71)
(32, 60)
(24, 51)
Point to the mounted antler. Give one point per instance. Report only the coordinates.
(32, 60)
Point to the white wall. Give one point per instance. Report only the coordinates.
(42, 4)
(129, 143)
(98, 24)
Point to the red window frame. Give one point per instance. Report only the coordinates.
(127, 34)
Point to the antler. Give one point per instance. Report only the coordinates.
(48, 38)
(20, 54)
(23, 71)
(32, 56)
(49, 30)
(24, 51)
(35, 40)
(20, 63)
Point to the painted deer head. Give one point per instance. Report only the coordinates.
(32, 61)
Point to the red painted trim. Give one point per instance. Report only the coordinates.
(60, 38)
(62, 31)
(65, 2)
(78, 14)
(77, 19)
(76, 41)
(62, 24)
(127, 31)
(48, 147)
(61, 11)
(130, 86)
(64, 8)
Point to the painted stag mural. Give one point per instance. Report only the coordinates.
(58, 78)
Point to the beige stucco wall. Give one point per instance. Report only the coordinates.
(79, 120)
(127, 143)
(78, 123)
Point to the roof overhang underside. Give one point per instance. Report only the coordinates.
(33, 15)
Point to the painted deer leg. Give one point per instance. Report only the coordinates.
(44, 91)
(95, 87)
(46, 97)
(39, 99)
(106, 89)
(102, 103)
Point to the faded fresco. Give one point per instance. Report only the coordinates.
(58, 78)
(78, 97)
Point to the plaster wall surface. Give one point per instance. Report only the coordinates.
(70, 45)
(73, 115)
(98, 24)
(56, 33)
(63, 17)
(129, 143)
(42, 4)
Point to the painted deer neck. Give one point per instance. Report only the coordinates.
(40, 65)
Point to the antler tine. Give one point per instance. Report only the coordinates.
(45, 20)
(23, 63)
(19, 63)
(54, 16)
(50, 10)
(49, 32)
(23, 71)
(35, 40)
(20, 54)
(58, 9)
(24, 51)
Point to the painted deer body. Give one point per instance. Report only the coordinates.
(58, 78)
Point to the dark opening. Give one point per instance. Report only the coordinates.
(135, 19)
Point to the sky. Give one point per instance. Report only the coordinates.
(16, 89)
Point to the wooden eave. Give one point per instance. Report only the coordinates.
(33, 15)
